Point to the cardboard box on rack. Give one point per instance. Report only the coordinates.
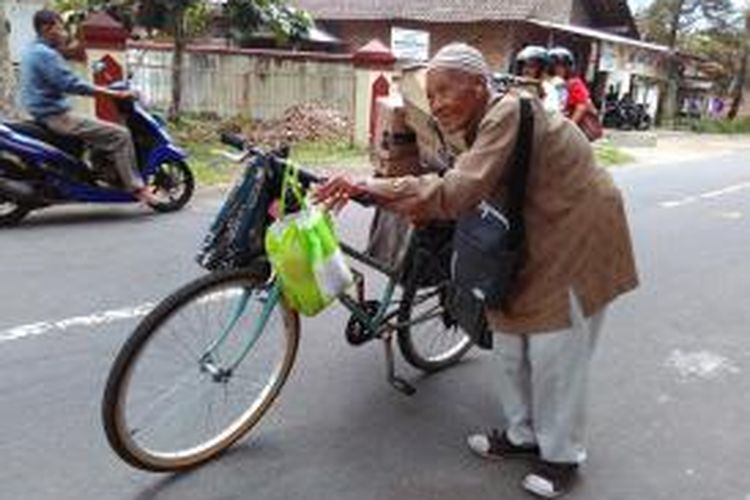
(393, 137)
(395, 151)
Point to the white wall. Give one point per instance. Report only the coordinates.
(20, 13)
(261, 87)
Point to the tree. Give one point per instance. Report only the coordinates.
(7, 80)
(744, 66)
(664, 21)
(671, 22)
(246, 17)
(183, 19)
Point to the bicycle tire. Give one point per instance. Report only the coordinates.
(409, 340)
(117, 394)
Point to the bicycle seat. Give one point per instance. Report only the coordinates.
(71, 145)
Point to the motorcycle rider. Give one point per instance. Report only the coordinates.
(578, 100)
(532, 62)
(46, 79)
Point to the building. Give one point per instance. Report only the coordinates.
(497, 28)
(602, 34)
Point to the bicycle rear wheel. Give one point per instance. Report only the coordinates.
(180, 391)
(430, 338)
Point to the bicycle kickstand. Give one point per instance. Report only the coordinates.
(394, 380)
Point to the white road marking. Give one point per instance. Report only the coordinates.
(687, 200)
(730, 215)
(98, 318)
(700, 365)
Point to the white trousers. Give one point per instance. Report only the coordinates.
(543, 385)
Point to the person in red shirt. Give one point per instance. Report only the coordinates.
(579, 99)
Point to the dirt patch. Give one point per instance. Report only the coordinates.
(299, 123)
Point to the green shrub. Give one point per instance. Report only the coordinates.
(736, 126)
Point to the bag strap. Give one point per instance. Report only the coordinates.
(519, 179)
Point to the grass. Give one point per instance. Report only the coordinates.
(608, 155)
(729, 127)
(329, 154)
(200, 138)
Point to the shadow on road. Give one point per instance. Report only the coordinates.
(249, 449)
(83, 215)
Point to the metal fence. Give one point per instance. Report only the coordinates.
(230, 83)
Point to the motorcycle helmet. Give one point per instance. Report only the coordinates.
(561, 55)
(532, 53)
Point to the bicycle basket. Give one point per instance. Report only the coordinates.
(235, 237)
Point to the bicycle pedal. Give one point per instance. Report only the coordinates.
(358, 333)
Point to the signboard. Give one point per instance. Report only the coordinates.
(608, 57)
(411, 45)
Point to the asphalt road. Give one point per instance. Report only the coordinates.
(670, 396)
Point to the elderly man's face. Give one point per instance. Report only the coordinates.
(456, 98)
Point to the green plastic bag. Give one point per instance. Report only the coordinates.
(305, 253)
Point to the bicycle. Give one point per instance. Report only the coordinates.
(228, 341)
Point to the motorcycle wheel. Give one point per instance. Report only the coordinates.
(11, 212)
(644, 123)
(173, 182)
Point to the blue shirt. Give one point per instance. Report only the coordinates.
(46, 79)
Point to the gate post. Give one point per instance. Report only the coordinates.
(105, 42)
(373, 64)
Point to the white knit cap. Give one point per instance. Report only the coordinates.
(462, 57)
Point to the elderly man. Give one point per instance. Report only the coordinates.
(578, 258)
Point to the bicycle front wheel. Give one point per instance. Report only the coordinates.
(199, 371)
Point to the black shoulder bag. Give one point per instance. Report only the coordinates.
(488, 245)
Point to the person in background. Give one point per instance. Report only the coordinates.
(533, 62)
(578, 99)
(46, 80)
(578, 258)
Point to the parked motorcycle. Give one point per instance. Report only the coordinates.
(626, 115)
(39, 168)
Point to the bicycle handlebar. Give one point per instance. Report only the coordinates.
(306, 178)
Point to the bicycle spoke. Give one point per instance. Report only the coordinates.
(199, 376)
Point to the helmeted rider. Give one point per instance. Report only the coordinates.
(578, 98)
(533, 62)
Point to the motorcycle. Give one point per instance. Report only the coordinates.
(626, 115)
(39, 168)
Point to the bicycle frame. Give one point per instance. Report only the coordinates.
(375, 324)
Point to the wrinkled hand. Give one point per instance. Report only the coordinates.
(336, 192)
